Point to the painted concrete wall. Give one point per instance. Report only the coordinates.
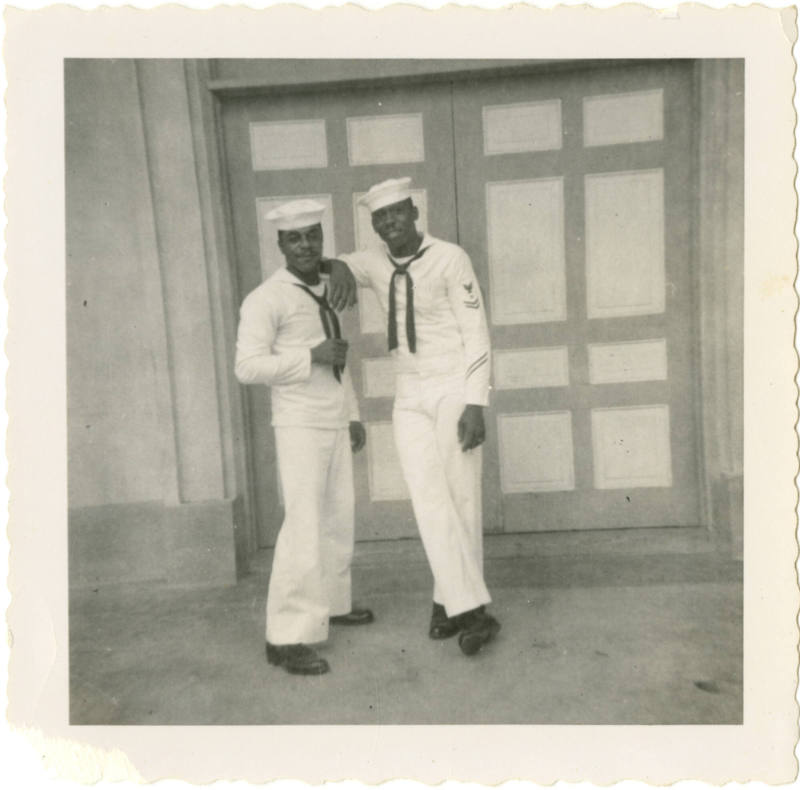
(147, 492)
(118, 450)
(183, 267)
(281, 71)
(720, 259)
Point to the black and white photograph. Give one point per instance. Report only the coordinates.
(527, 484)
(405, 390)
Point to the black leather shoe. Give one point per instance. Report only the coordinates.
(353, 617)
(297, 659)
(477, 628)
(442, 626)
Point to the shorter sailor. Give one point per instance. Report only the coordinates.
(289, 339)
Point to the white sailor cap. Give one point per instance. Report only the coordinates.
(387, 192)
(297, 214)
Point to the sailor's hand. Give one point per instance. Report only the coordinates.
(471, 429)
(332, 351)
(344, 292)
(358, 436)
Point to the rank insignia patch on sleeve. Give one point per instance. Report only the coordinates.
(471, 298)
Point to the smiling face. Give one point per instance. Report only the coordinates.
(302, 248)
(395, 224)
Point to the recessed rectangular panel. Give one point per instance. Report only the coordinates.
(510, 128)
(526, 251)
(637, 360)
(625, 243)
(385, 139)
(623, 118)
(378, 377)
(288, 145)
(386, 480)
(271, 257)
(362, 219)
(631, 447)
(528, 368)
(536, 452)
(370, 315)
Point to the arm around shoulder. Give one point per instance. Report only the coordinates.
(343, 288)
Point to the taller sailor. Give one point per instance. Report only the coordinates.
(438, 337)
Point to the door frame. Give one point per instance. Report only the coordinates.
(208, 93)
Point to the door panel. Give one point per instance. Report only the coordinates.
(333, 146)
(572, 204)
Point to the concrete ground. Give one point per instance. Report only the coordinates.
(585, 640)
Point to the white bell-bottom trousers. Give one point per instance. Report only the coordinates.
(310, 578)
(445, 486)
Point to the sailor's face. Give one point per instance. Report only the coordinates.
(302, 248)
(395, 223)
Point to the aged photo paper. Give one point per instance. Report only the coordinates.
(622, 180)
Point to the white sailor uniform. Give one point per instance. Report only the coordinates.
(311, 412)
(449, 368)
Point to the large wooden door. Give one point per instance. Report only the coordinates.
(332, 146)
(574, 196)
(571, 191)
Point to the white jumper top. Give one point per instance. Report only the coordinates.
(279, 325)
(449, 317)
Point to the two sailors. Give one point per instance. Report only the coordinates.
(437, 333)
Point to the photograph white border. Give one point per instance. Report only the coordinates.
(762, 748)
